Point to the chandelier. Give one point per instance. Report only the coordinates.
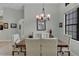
(43, 16)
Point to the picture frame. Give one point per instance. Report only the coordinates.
(5, 25)
(1, 27)
(13, 25)
(60, 24)
(41, 25)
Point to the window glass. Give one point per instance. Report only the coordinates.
(71, 24)
(74, 36)
(70, 28)
(74, 28)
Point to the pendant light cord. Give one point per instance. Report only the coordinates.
(43, 10)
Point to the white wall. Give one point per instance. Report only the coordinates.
(31, 10)
(61, 11)
(21, 30)
(10, 16)
(74, 47)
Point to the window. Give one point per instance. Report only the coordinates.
(71, 24)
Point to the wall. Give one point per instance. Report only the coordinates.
(74, 47)
(21, 28)
(60, 19)
(10, 16)
(30, 12)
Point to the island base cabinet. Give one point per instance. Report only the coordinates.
(33, 48)
(41, 47)
(49, 47)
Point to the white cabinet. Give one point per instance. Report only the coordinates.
(33, 47)
(43, 47)
(49, 47)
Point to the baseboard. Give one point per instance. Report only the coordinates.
(73, 54)
(5, 40)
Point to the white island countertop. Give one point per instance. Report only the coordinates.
(40, 38)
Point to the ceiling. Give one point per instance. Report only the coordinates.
(17, 6)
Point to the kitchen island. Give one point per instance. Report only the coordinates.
(41, 47)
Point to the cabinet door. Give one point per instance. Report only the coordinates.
(34, 48)
(27, 47)
(43, 47)
(49, 47)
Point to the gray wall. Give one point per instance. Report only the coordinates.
(31, 10)
(10, 16)
(60, 19)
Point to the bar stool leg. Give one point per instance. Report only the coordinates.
(24, 53)
(68, 53)
(13, 53)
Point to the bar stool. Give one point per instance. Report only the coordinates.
(18, 45)
(64, 45)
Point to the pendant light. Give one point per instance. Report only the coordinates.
(43, 16)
